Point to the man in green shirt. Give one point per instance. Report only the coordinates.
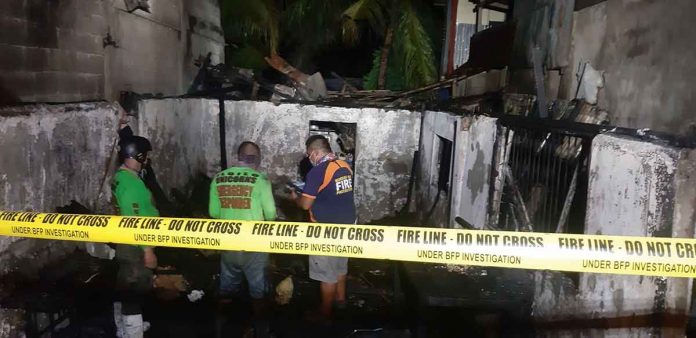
(243, 193)
(132, 198)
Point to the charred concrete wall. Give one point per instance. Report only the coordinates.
(51, 154)
(157, 50)
(432, 201)
(644, 48)
(203, 29)
(473, 169)
(473, 142)
(54, 51)
(185, 137)
(185, 134)
(636, 189)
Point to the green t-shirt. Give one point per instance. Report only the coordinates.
(241, 193)
(131, 196)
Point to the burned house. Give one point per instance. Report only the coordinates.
(594, 164)
(552, 116)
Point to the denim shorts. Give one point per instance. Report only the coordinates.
(235, 265)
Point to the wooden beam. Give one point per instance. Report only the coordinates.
(451, 35)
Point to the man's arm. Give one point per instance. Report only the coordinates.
(310, 190)
(214, 201)
(267, 201)
(303, 201)
(124, 130)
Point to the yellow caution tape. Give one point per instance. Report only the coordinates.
(673, 257)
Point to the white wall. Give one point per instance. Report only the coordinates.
(51, 154)
(474, 140)
(474, 158)
(185, 136)
(466, 14)
(636, 188)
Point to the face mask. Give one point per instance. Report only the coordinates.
(249, 160)
(311, 160)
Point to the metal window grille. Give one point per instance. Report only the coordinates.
(545, 175)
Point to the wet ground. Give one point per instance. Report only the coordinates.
(73, 298)
(385, 299)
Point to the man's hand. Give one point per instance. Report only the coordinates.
(303, 202)
(150, 259)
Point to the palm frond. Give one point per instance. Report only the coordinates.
(310, 26)
(414, 50)
(394, 79)
(370, 79)
(246, 56)
(373, 12)
(245, 20)
(316, 21)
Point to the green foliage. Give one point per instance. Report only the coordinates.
(315, 21)
(411, 62)
(309, 26)
(371, 11)
(414, 50)
(251, 22)
(246, 57)
(394, 78)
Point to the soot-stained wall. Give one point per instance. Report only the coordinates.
(51, 154)
(186, 138)
(640, 189)
(645, 48)
(473, 147)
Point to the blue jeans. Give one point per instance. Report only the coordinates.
(252, 265)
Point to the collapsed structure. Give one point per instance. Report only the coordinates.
(483, 159)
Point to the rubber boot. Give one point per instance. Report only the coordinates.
(220, 322)
(118, 319)
(261, 323)
(133, 326)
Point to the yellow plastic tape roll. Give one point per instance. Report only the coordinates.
(673, 257)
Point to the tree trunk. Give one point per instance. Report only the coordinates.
(384, 58)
